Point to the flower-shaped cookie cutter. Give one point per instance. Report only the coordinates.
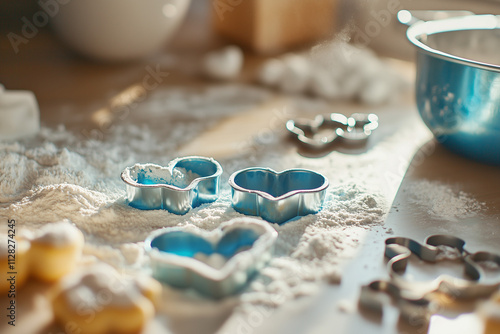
(277, 197)
(324, 130)
(245, 243)
(183, 184)
(414, 299)
(399, 249)
(413, 308)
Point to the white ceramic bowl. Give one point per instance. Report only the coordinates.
(118, 30)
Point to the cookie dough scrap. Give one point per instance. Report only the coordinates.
(99, 300)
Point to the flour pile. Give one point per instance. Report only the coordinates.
(60, 176)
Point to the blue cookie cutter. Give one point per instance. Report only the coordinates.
(245, 243)
(277, 197)
(183, 184)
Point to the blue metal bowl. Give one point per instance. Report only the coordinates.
(458, 83)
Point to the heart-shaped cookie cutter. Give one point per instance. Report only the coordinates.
(246, 243)
(277, 197)
(183, 184)
(324, 130)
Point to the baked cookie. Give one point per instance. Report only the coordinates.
(55, 251)
(99, 300)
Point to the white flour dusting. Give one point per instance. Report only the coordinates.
(442, 201)
(153, 174)
(58, 176)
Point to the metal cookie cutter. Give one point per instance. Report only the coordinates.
(414, 309)
(244, 244)
(415, 300)
(184, 184)
(323, 130)
(277, 197)
(398, 251)
(360, 127)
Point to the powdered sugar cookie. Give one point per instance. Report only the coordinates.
(149, 287)
(55, 250)
(99, 300)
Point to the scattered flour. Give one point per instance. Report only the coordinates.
(153, 174)
(448, 253)
(442, 201)
(59, 176)
(85, 289)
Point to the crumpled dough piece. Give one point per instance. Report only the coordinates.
(98, 300)
(334, 71)
(296, 75)
(224, 64)
(271, 72)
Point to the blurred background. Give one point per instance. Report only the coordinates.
(85, 52)
(240, 21)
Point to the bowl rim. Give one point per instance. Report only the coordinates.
(471, 22)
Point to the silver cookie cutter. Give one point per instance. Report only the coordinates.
(413, 308)
(414, 298)
(183, 184)
(324, 130)
(277, 197)
(398, 250)
(245, 243)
